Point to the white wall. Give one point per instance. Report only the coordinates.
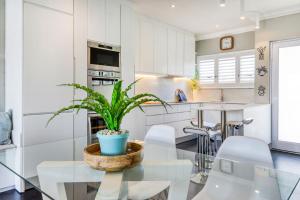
(281, 28)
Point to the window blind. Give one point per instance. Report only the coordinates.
(247, 68)
(226, 70)
(207, 71)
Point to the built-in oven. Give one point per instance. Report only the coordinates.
(95, 124)
(104, 57)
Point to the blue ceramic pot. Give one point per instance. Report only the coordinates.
(112, 145)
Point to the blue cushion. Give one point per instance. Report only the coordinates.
(5, 127)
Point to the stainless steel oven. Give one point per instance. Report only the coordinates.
(95, 124)
(104, 57)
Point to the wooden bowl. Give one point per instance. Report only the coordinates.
(133, 156)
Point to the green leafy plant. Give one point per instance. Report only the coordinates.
(112, 112)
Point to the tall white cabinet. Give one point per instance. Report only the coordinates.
(51, 38)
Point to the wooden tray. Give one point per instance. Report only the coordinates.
(133, 156)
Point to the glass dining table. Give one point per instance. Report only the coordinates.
(175, 179)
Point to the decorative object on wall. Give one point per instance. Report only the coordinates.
(262, 70)
(227, 43)
(261, 51)
(261, 90)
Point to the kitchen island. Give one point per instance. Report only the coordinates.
(179, 116)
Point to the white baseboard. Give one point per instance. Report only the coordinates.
(7, 188)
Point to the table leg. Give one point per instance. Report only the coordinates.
(223, 125)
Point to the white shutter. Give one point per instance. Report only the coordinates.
(247, 68)
(226, 70)
(207, 71)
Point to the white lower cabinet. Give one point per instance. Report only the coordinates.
(179, 116)
(36, 131)
(52, 151)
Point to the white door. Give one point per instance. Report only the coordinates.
(285, 95)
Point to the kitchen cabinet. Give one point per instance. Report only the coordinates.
(65, 5)
(48, 59)
(179, 53)
(80, 63)
(160, 49)
(96, 20)
(189, 55)
(104, 21)
(113, 22)
(36, 131)
(172, 51)
(146, 63)
(53, 151)
(178, 116)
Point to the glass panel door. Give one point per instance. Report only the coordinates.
(285, 60)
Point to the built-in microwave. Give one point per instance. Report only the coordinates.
(104, 57)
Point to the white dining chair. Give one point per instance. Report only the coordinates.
(236, 172)
(160, 143)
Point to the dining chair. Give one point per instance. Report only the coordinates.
(160, 143)
(236, 171)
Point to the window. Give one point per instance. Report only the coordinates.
(2, 25)
(226, 70)
(236, 69)
(207, 71)
(247, 68)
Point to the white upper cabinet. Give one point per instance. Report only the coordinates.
(172, 43)
(146, 63)
(179, 53)
(113, 22)
(160, 49)
(48, 59)
(104, 21)
(61, 5)
(96, 20)
(189, 55)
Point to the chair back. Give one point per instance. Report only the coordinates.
(160, 143)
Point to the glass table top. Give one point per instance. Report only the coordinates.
(190, 176)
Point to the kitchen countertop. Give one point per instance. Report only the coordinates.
(194, 102)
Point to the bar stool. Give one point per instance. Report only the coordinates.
(233, 127)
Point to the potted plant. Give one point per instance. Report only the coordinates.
(113, 140)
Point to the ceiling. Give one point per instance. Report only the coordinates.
(207, 17)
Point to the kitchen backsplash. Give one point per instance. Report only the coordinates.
(165, 87)
(229, 95)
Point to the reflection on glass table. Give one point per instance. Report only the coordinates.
(160, 179)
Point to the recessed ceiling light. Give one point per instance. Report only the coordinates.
(173, 6)
(242, 17)
(257, 22)
(222, 3)
(217, 26)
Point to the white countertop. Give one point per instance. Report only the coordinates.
(196, 102)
